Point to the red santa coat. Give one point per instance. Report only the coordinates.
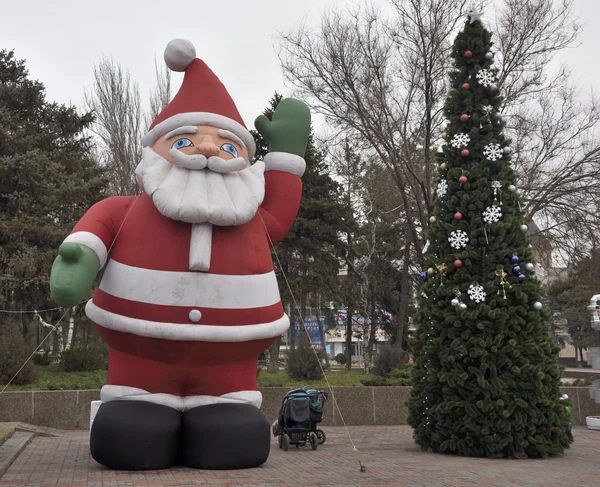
(173, 330)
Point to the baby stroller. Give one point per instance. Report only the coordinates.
(301, 411)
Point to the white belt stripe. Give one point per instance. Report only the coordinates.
(199, 289)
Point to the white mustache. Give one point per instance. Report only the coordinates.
(217, 164)
(197, 162)
(194, 162)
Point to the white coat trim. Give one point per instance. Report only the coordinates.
(197, 289)
(110, 393)
(200, 247)
(184, 332)
(92, 242)
(283, 161)
(200, 118)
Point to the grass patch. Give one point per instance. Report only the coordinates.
(335, 377)
(50, 378)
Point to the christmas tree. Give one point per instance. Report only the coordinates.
(486, 376)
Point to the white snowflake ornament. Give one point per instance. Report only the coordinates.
(488, 109)
(458, 239)
(442, 188)
(493, 152)
(485, 77)
(492, 214)
(476, 293)
(460, 140)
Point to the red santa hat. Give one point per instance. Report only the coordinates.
(201, 100)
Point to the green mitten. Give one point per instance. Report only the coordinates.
(289, 128)
(73, 273)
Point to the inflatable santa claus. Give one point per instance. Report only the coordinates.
(188, 297)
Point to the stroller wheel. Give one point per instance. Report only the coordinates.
(314, 442)
(321, 436)
(285, 442)
(280, 441)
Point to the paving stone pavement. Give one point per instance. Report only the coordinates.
(388, 452)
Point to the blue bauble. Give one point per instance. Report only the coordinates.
(521, 277)
(424, 276)
(514, 259)
(517, 269)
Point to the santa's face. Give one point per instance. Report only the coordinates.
(200, 174)
(197, 146)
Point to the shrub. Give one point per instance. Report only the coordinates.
(14, 351)
(42, 358)
(585, 382)
(387, 359)
(397, 377)
(82, 360)
(341, 358)
(303, 363)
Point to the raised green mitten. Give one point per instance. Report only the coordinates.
(289, 128)
(73, 273)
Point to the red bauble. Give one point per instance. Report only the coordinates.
(465, 153)
(466, 86)
(458, 215)
(457, 263)
(468, 54)
(462, 179)
(464, 117)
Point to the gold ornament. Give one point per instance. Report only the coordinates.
(503, 282)
(430, 271)
(443, 166)
(442, 269)
(432, 219)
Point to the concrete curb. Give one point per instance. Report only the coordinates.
(12, 447)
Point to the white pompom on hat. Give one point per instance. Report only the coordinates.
(179, 54)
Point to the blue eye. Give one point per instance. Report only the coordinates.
(181, 143)
(230, 148)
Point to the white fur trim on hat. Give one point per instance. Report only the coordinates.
(179, 54)
(200, 118)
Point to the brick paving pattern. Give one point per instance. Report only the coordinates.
(388, 452)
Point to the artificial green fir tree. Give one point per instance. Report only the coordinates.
(486, 376)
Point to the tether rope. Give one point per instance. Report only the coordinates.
(336, 405)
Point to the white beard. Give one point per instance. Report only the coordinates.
(202, 195)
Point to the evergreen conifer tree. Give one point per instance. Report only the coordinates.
(48, 179)
(486, 376)
(310, 254)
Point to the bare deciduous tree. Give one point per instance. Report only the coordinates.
(383, 82)
(161, 94)
(121, 120)
(554, 134)
(116, 103)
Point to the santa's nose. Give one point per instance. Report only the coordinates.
(207, 148)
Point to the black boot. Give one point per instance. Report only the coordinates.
(135, 435)
(225, 436)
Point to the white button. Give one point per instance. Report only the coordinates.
(195, 315)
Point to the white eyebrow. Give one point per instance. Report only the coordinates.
(187, 129)
(230, 135)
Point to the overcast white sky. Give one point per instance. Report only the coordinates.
(62, 39)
